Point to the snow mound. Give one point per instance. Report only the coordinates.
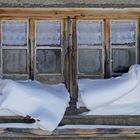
(45, 103)
(114, 96)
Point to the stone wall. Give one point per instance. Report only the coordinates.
(71, 3)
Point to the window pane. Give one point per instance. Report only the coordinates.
(90, 61)
(123, 32)
(48, 33)
(123, 59)
(14, 61)
(48, 61)
(89, 32)
(14, 33)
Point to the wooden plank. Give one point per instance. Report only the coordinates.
(138, 41)
(74, 132)
(72, 12)
(38, 132)
(31, 48)
(16, 119)
(102, 120)
(107, 47)
(72, 63)
(96, 131)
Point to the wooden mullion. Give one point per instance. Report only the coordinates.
(107, 47)
(72, 63)
(31, 47)
(138, 42)
(1, 61)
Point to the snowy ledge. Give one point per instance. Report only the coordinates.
(46, 104)
(114, 96)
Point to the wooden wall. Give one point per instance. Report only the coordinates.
(69, 17)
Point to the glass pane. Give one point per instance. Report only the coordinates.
(14, 61)
(90, 61)
(48, 33)
(48, 61)
(89, 32)
(123, 32)
(14, 33)
(123, 59)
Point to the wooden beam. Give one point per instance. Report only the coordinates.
(73, 132)
(107, 47)
(72, 63)
(133, 120)
(16, 119)
(39, 13)
(32, 48)
(100, 132)
(33, 131)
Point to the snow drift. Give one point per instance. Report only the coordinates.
(45, 103)
(114, 96)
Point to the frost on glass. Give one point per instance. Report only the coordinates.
(123, 32)
(48, 61)
(122, 59)
(14, 61)
(14, 33)
(90, 61)
(89, 32)
(48, 33)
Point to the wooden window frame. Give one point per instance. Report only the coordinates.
(12, 47)
(123, 46)
(91, 47)
(51, 47)
(73, 13)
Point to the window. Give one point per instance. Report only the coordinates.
(48, 49)
(38, 48)
(123, 42)
(14, 48)
(90, 47)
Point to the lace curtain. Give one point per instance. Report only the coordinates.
(123, 32)
(48, 33)
(14, 33)
(89, 33)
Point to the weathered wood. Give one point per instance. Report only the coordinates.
(16, 119)
(33, 131)
(98, 131)
(73, 132)
(102, 120)
(138, 40)
(31, 49)
(124, 13)
(72, 63)
(107, 47)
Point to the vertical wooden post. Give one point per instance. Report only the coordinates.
(72, 84)
(31, 47)
(107, 47)
(138, 43)
(1, 59)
